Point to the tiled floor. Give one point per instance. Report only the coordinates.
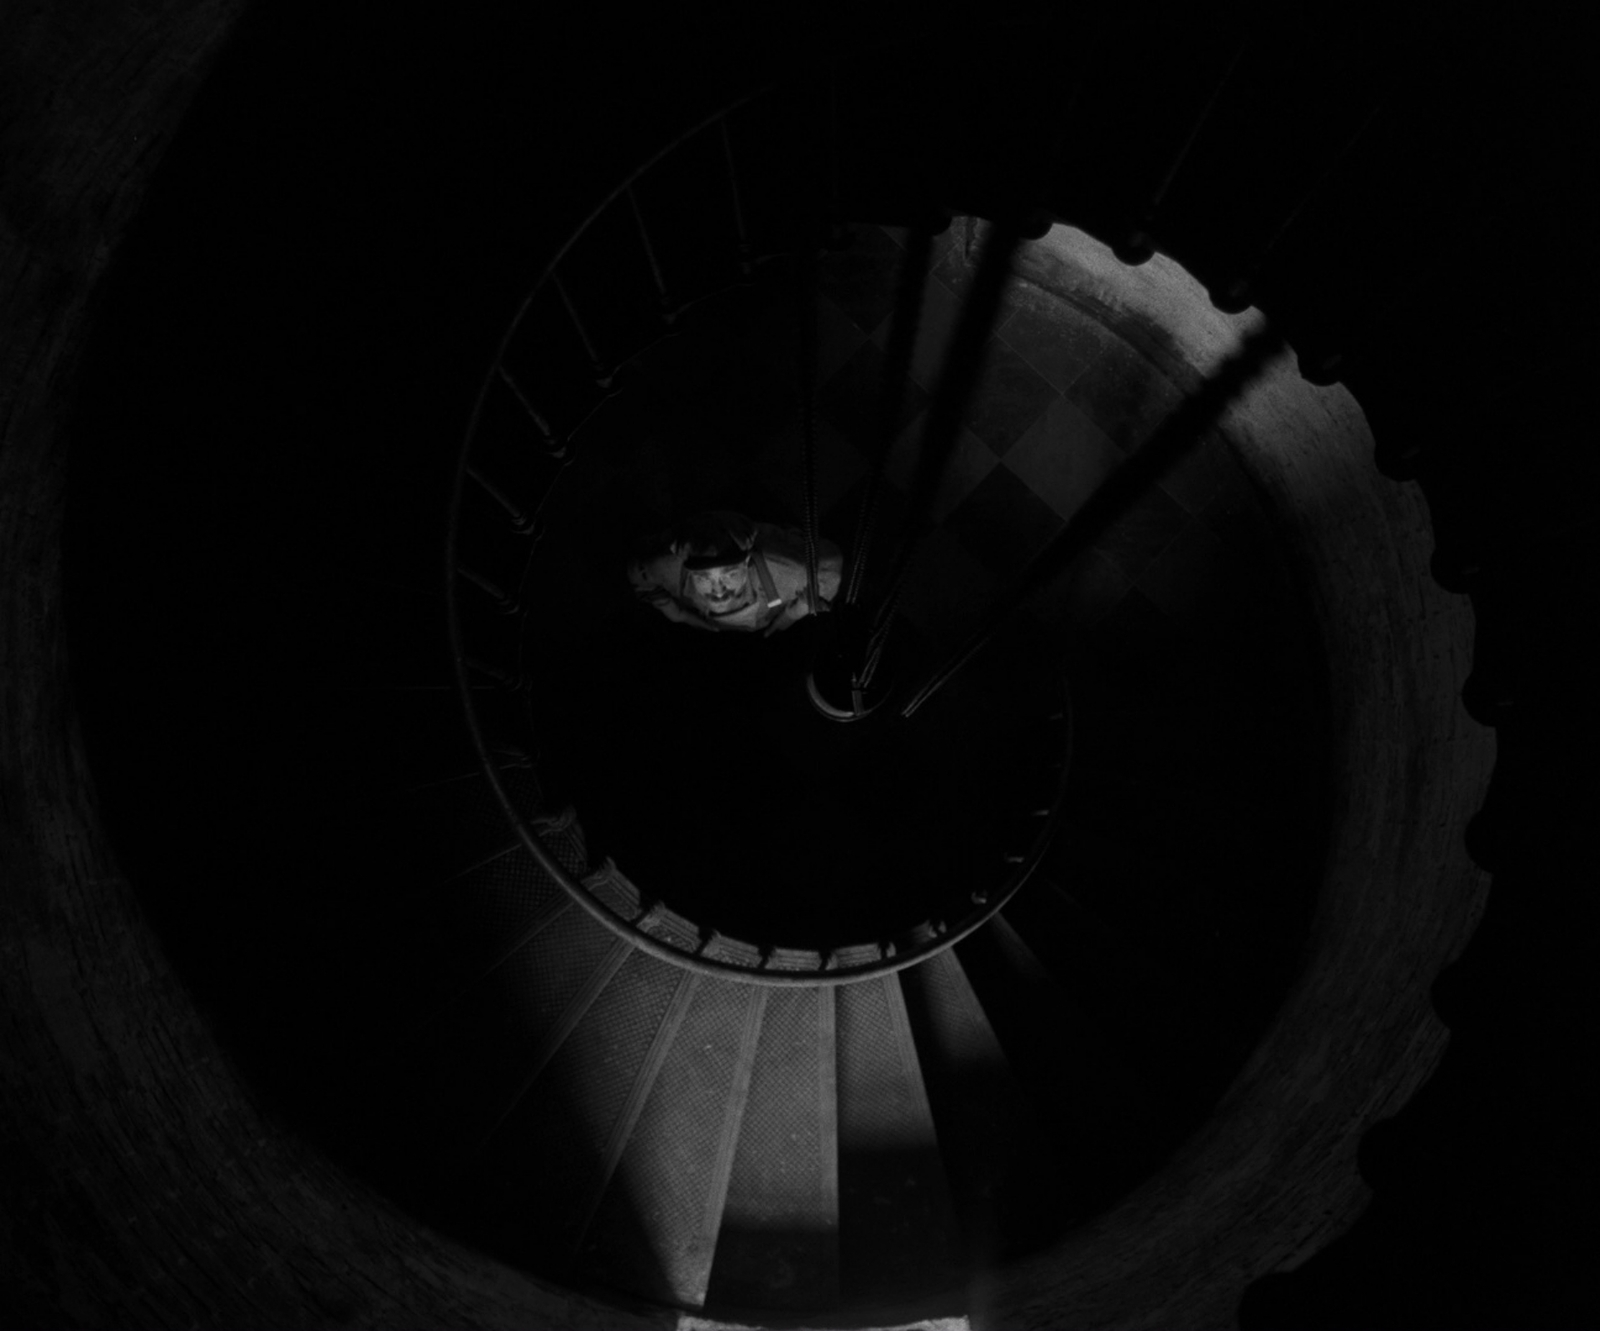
(1061, 402)
(1180, 633)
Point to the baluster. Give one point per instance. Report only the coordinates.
(556, 448)
(1327, 365)
(1140, 243)
(598, 371)
(746, 265)
(503, 602)
(663, 300)
(1236, 297)
(522, 523)
(514, 683)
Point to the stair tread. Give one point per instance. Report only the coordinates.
(654, 1231)
(778, 1244)
(548, 1157)
(983, 1119)
(897, 1228)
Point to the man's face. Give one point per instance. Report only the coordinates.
(721, 589)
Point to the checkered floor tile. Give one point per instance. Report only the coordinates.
(1060, 404)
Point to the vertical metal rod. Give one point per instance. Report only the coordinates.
(896, 366)
(1182, 154)
(650, 254)
(957, 379)
(806, 272)
(1240, 288)
(1087, 46)
(602, 376)
(738, 202)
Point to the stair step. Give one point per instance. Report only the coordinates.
(897, 1227)
(442, 1093)
(654, 1232)
(1090, 1099)
(1160, 1014)
(1117, 1086)
(425, 838)
(1169, 903)
(549, 1160)
(982, 1116)
(778, 1246)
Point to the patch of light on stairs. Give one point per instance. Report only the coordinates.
(695, 1322)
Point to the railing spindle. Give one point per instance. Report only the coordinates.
(597, 368)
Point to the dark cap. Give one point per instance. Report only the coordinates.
(699, 561)
(707, 542)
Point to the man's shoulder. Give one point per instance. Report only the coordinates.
(786, 557)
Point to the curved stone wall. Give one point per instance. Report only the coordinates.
(1274, 1177)
(153, 1190)
(143, 1185)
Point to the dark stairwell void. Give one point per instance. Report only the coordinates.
(524, 1080)
(277, 729)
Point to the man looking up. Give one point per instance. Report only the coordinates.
(724, 571)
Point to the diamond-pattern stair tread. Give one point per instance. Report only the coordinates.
(1158, 1016)
(459, 1070)
(778, 1246)
(420, 959)
(655, 1231)
(986, 1127)
(1094, 1108)
(897, 1231)
(545, 1161)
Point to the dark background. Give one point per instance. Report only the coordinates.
(350, 209)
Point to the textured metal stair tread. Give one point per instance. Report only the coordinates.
(387, 743)
(502, 1027)
(778, 1242)
(1163, 900)
(1123, 1087)
(655, 1229)
(1171, 819)
(1140, 752)
(986, 1126)
(492, 1129)
(469, 809)
(1074, 1144)
(1111, 969)
(473, 940)
(1170, 1024)
(417, 969)
(897, 1225)
(540, 1176)
(380, 797)
(1072, 1079)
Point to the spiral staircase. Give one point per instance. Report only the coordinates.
(438, 954)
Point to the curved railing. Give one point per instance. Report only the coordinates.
(520, 437)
